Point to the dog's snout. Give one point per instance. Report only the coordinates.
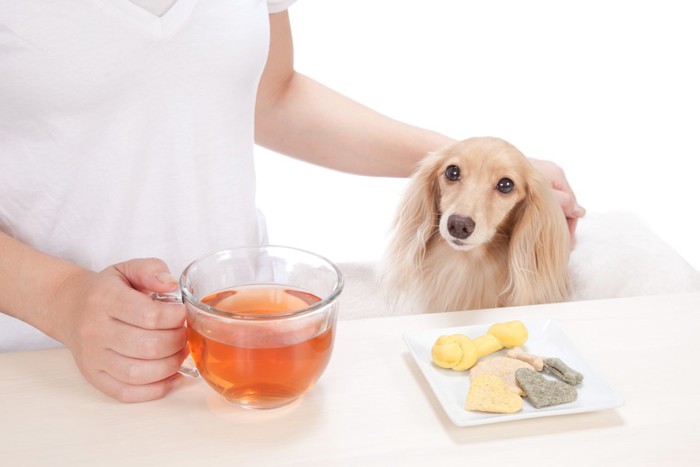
(460, 227)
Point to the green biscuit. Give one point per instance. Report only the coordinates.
(542, 392)
(562, 371)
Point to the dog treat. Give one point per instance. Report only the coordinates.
(559, 369)
(460, 353)
(542, 392)
(502, 367)
(455, 351)
(488, 393)
(510, 334)
(518, 353)
(486, 345)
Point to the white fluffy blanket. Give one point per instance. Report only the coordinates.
(616, 255)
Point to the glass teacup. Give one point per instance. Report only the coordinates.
(261, 321)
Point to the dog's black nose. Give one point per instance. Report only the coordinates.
(460, 227)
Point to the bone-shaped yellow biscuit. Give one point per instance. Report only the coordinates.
(459, 352)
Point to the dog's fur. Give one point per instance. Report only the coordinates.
(517, 253)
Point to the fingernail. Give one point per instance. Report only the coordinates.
(166, 278)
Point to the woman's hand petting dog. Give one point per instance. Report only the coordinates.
(562, 190)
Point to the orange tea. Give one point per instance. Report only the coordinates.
(261, 362)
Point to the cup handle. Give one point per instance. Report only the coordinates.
(188, 367)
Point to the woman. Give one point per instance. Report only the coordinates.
(127, 131)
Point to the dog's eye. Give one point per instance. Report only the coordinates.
(452, 173)
(505, 185)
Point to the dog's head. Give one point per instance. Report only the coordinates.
(484, 193)
(477, 185)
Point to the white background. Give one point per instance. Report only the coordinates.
(607, 89)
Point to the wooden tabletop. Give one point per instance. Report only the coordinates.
(373, 406)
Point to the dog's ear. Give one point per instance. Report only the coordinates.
(417, 217)
(539, 247)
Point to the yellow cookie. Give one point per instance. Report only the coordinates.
(510, 334)
(455, 351)
(446, 352)
(488, 393)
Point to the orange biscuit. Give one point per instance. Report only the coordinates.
(502, 367)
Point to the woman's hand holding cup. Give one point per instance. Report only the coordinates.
(126, 344)
(260, 324)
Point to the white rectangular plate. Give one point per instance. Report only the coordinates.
(545, 338)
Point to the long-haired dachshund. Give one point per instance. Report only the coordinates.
(478, 227)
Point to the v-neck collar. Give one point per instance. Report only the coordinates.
(158, 26)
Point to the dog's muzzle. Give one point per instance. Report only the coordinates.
(460, 227)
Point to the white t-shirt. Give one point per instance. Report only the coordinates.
(157, 7)
(124, 134)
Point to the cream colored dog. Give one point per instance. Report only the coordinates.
(478, 227)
